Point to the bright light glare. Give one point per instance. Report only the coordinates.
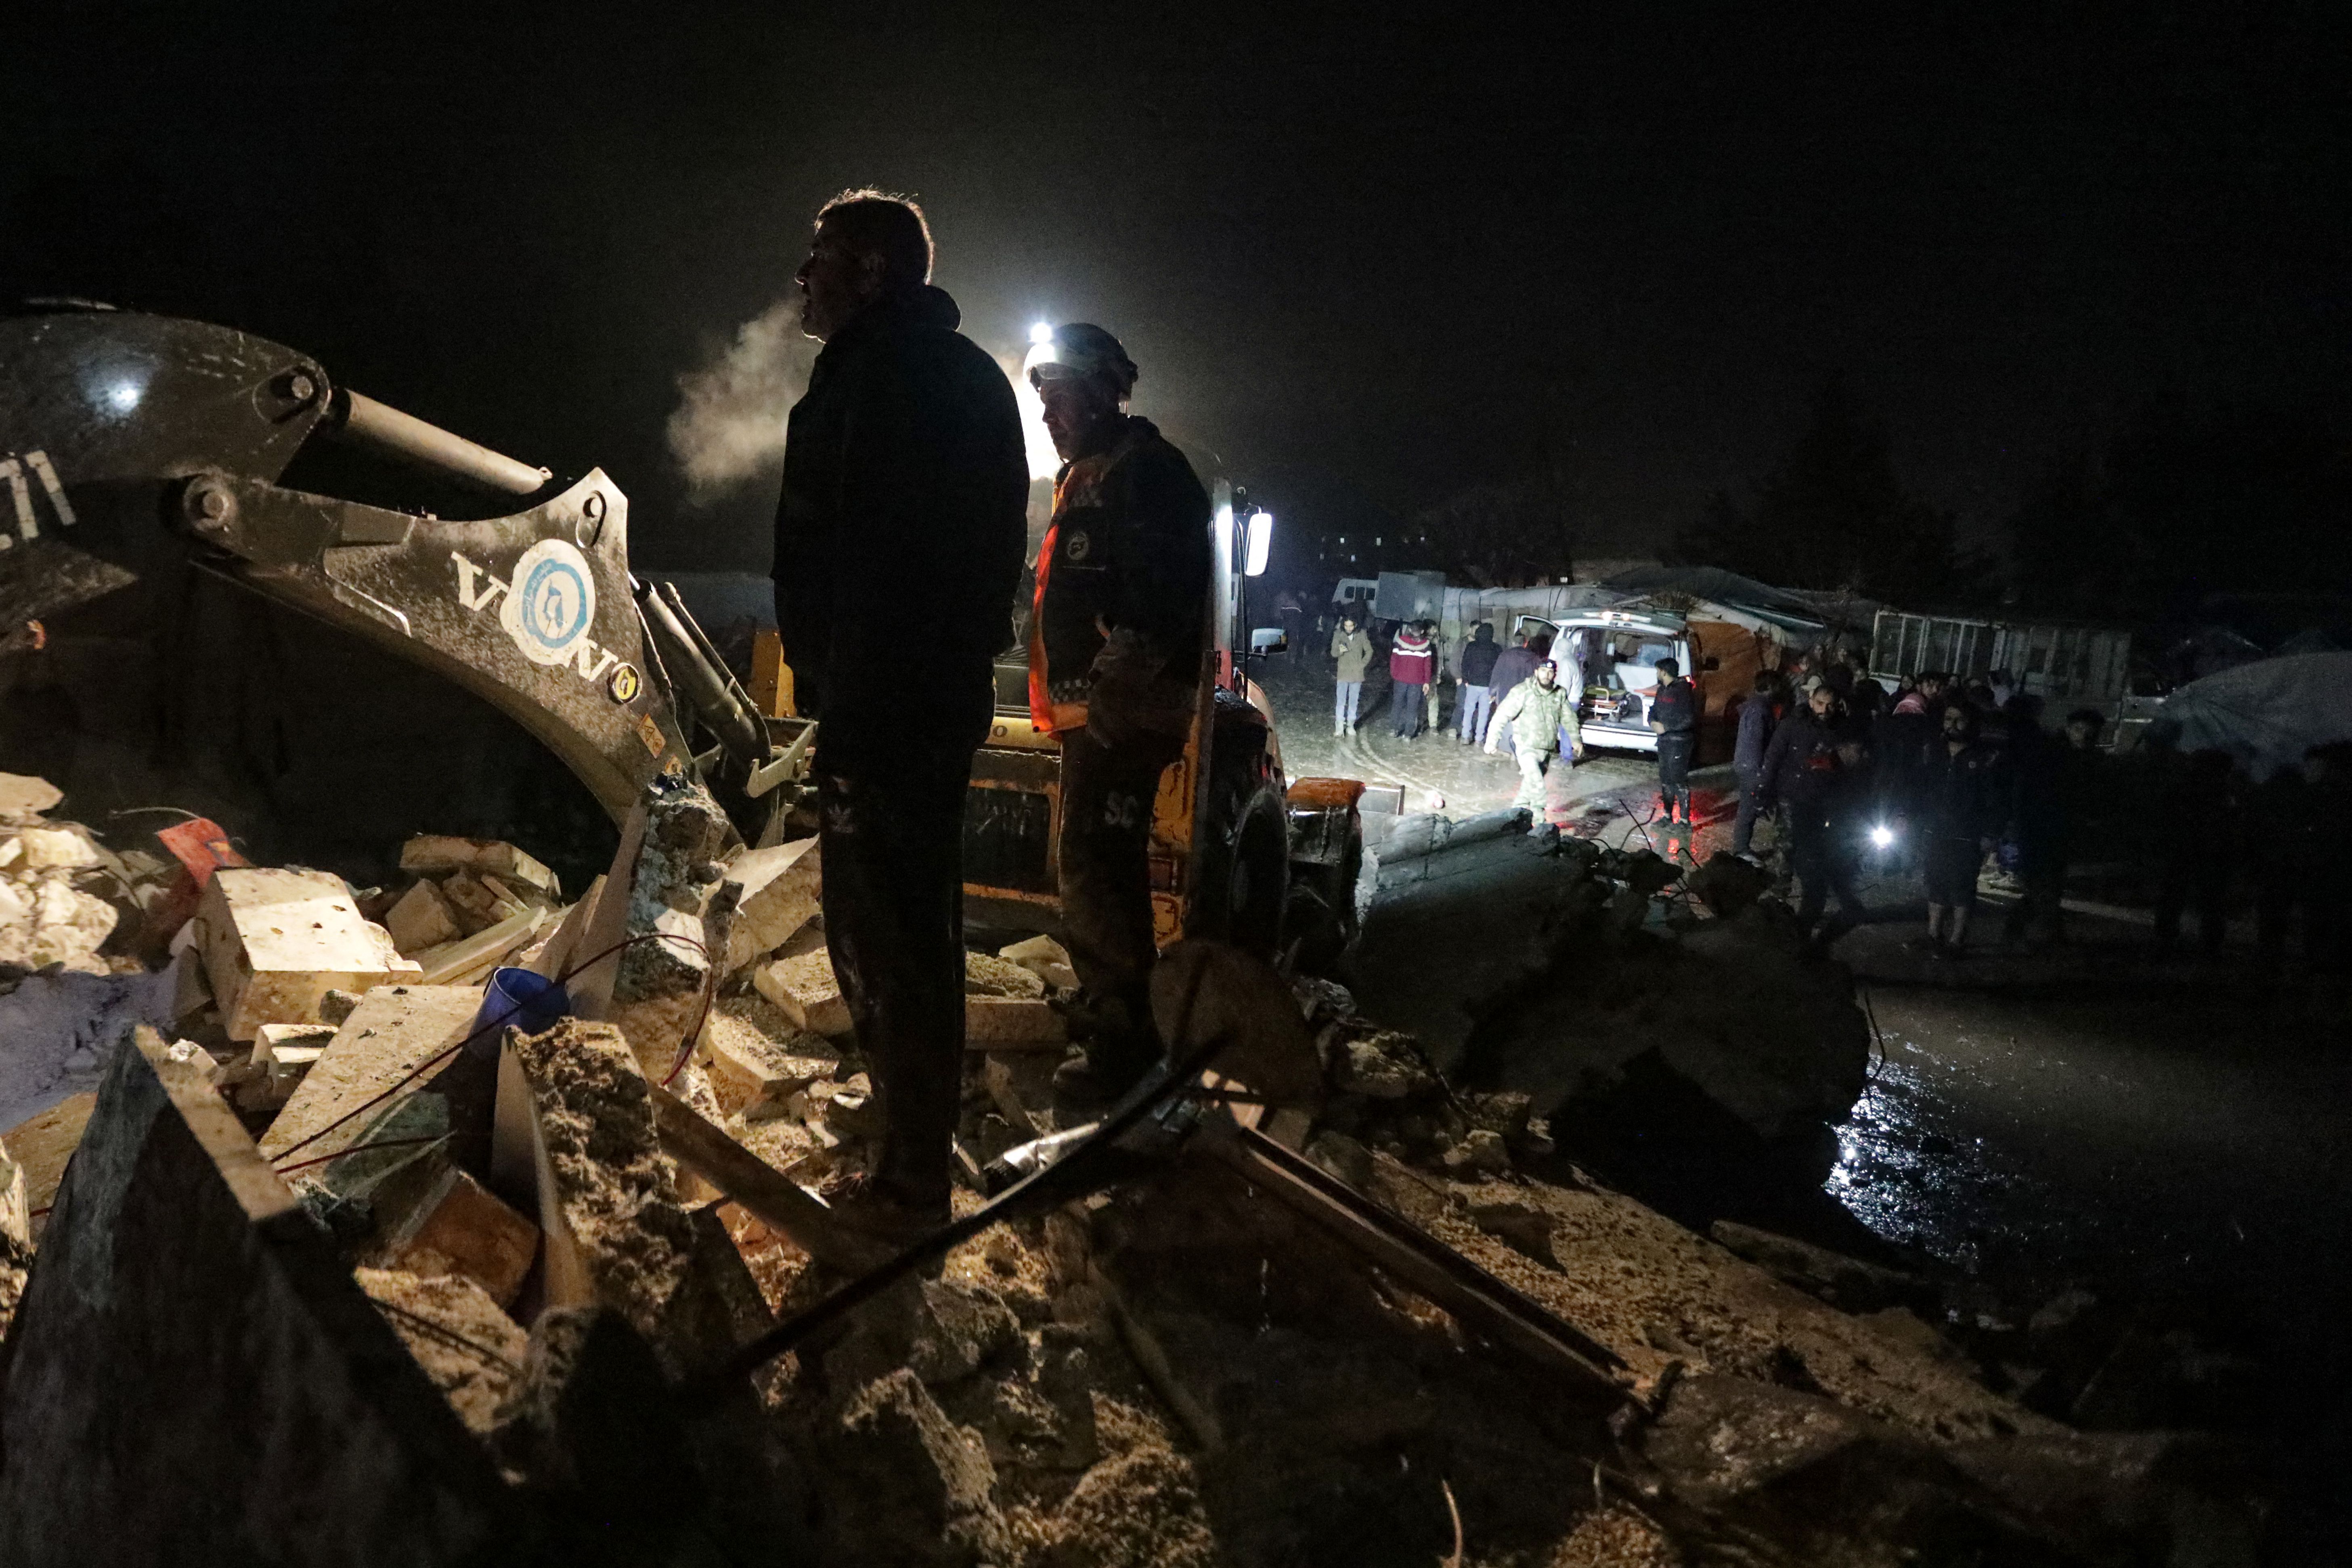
(1042, 332)
(124, 395)
(1882, 837)
(1260, 544)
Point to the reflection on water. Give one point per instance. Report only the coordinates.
(1910, 1170)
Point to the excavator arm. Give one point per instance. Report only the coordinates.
(127, 440)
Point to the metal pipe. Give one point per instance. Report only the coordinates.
(371, 423)
(739, 729)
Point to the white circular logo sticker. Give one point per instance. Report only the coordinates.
(552, 603)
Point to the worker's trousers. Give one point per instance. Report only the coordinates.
(1534, 791)
(1105, 827)
(1404, 707)
(1344, 702)
(1474, 708)
(1822, 864)
(891, 832)
(1674, 752)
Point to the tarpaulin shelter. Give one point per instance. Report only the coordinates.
(2266, 713)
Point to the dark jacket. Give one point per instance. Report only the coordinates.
(1512, 665)
(1963, 794)
(1130, 553)
(1802, 764)
(906, 485)
(1479, 657)
(1755, 733)
(1675, 708)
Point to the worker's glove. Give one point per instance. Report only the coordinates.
(1493, 750)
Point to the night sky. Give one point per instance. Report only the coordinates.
(1365, 265)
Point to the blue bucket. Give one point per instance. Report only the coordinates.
(529, 1002)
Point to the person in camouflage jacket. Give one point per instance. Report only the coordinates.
(1537, 711)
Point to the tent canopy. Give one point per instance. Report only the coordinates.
(2266, 713)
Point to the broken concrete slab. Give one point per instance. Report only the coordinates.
(21, 794)
(421, 918)
(43, 1145)
(778, 891)
(183, 1303)
(431, 853)
(455, 1226)
(985, 974)
(469, 960)
(1012, 1022)
(908, 1485)
(802, 988)
(1046, 959)
(757, 1059)
(394, 1030)
(275, 941)
(458, 1335)
(615, 1233)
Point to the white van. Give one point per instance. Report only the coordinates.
(1619, 650)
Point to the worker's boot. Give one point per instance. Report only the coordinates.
(1120, 1047)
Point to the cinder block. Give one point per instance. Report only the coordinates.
(275, 941)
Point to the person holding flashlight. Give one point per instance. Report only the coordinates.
(1115, 653)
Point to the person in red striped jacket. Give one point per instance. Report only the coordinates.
(1412, 664)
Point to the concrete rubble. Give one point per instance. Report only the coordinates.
(474, 1250)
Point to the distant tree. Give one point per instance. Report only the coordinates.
(1832, 514)
(1496, 535)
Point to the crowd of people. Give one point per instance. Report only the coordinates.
(1933, 779)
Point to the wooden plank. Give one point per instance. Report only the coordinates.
(1417, 1260)
(762, 1189)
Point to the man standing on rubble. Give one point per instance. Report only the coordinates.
(905, 480)
(1114, 652)
(1537, 713)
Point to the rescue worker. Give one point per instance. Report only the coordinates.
(1474, 705)
(1352, 657)
(906, 479)
(1114, 654)
(1513, 665)
(1537, 713)
(1814, 766)
(1961, 808)
(1673, 719)
(1412, 665)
